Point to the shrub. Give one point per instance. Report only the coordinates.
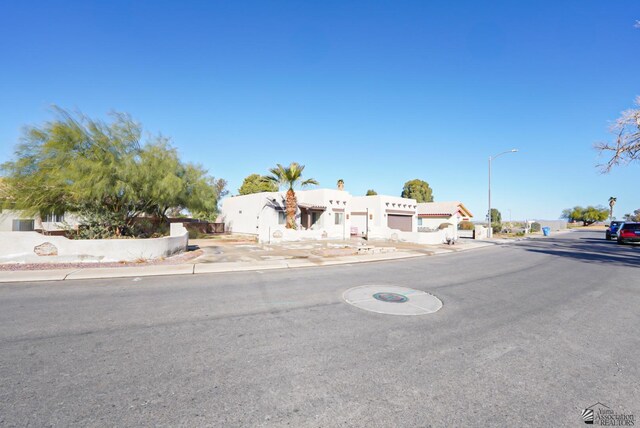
(535, 227)
(466, 225)
(444, 225)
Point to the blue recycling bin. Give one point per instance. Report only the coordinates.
(546, 231)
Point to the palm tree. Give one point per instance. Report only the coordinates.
(290, 177)
(612, 202)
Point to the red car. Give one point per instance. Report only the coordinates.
(629, 232)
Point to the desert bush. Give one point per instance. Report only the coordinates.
(466, 225)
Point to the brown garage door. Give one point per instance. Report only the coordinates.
(400, 222)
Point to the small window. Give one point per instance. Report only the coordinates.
(282, 217)
(20, 225)
(54, 218)
(339, 218)
(419, 222)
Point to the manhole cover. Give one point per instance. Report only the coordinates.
(390, 297)
(384, 299)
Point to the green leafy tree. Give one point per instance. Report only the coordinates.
(103, 172)
(290, 177)
(371, 192)
(466, 225)
(418, 190)
(496, 216)
(496, 220)
(256, 183)
(587, 216)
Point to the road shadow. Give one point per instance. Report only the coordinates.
(596, 240)
(586, 249)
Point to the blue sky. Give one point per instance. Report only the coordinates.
(375, 93)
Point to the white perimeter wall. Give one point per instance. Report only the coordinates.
(435, 222)
(249, 214)
(19, 247)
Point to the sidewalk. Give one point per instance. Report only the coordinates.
(220, 257)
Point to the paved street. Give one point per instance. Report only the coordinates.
(529, 335)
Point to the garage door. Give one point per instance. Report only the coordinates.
(400, 222)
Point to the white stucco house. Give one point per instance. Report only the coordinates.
(327, 214)
(432, 214)
(18, 221)
(322, 213)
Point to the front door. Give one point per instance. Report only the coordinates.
(309, 217)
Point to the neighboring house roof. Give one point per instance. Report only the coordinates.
(442, 209)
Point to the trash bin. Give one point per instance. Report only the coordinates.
(546, 231)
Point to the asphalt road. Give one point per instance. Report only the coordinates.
(529, 335)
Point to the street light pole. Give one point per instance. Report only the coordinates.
(490, 232)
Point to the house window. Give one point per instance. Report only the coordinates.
(282, 217)
(20, 225)
(419, 222)
(339, 218)
(54, 218)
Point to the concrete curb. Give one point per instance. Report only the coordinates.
(203, 268)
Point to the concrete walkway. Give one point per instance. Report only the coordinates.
(215, 260)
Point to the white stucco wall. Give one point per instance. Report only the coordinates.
(424, 238)
(481, 232)
(336, 202)
(249, 214)
(19, 247)
(435, 222)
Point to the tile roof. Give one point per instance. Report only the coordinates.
(442, 209)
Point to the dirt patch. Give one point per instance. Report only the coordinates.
(335, 252)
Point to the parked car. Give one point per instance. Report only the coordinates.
(612, 230)
(629, 232)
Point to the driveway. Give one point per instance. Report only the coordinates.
(529, 335)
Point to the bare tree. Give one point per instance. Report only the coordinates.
(626, 147)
